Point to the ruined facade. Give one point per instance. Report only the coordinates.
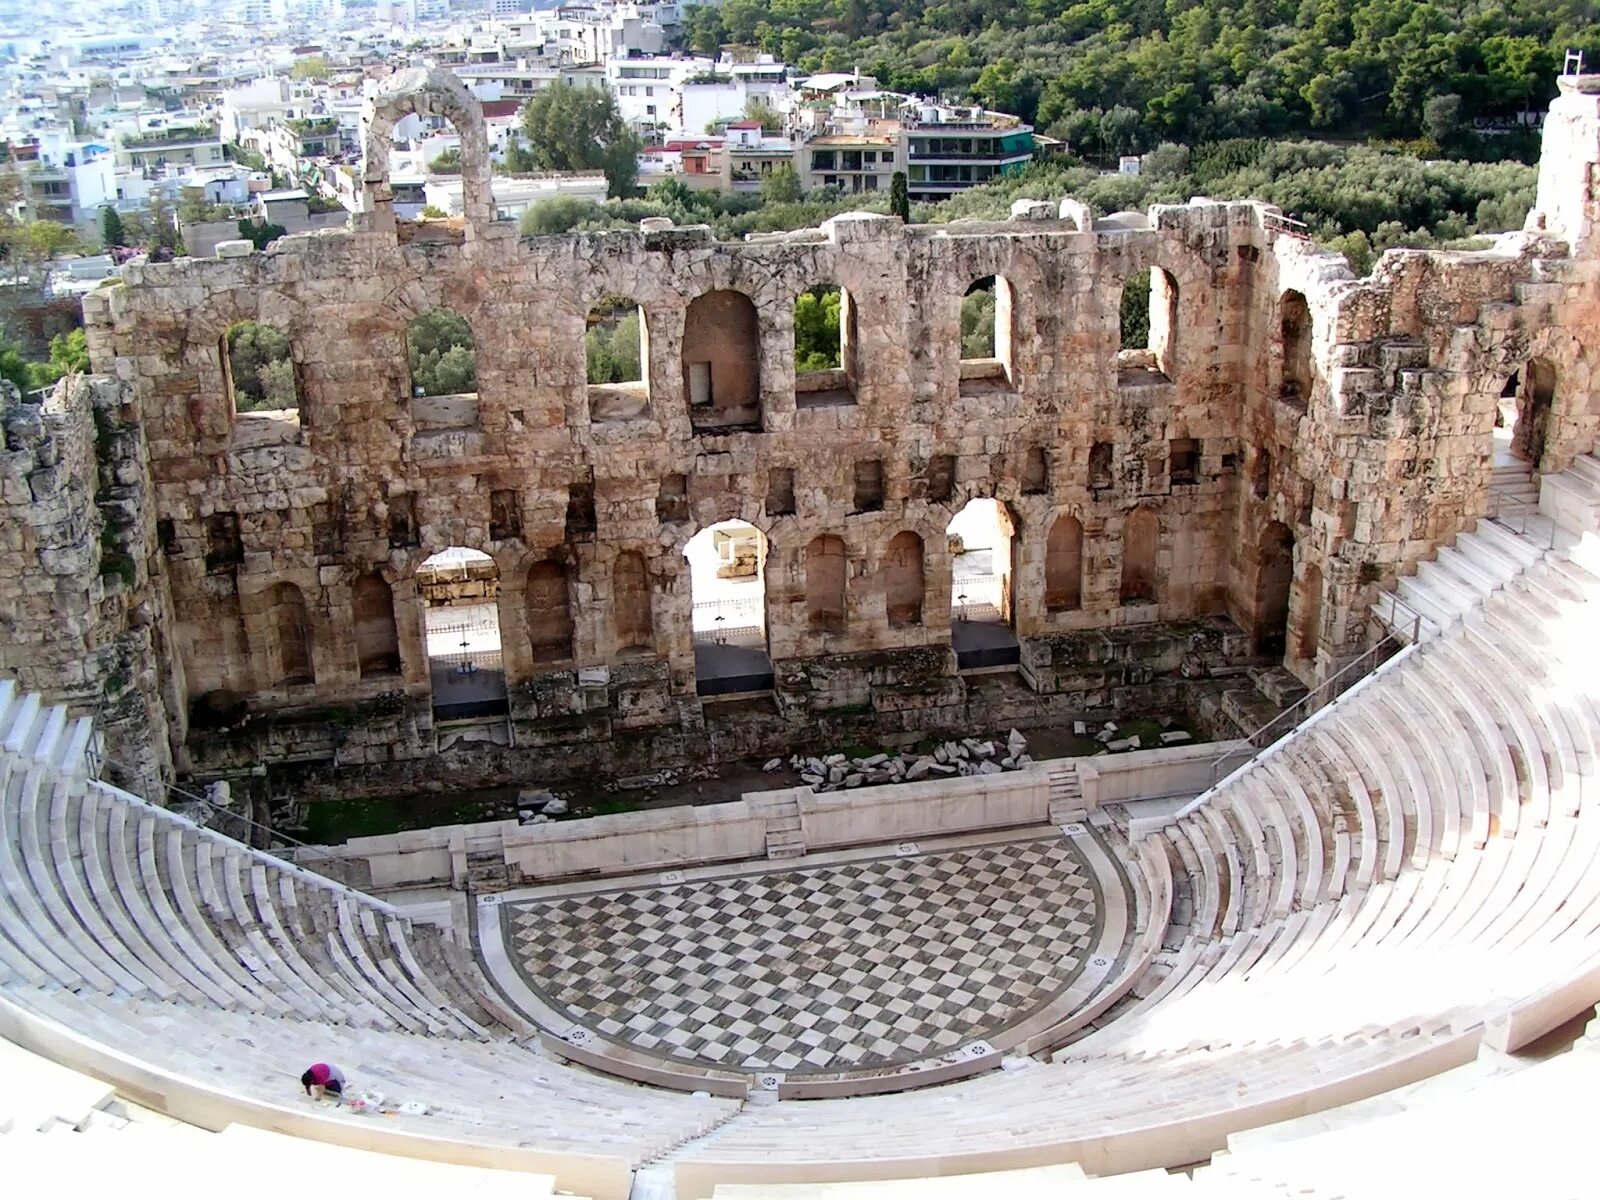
(1292, 439)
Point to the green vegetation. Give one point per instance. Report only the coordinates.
(977, 321)
(323, 204)
(781, 185)
(440, 351)
(816, 329)
(580, 129)
(69, 354)
(448, 162)
(757, 109)
(312, 126)
(172, 135)
(260, 233)
(112, 231)
(314, 66)
(899, 197)
(611, 344)
(260, 368)
(1112, 76)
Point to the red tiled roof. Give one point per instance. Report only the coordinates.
(501, 108)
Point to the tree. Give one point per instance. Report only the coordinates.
(112, 232)
(977, 324)
(900, 197)
(580, 129)
(69, 352)
(163, 227)
(757, 109)
(313, 66)
(781, 185)
(260, 368)
(432, 212)
(440, 351)
(261, 234)
(448, 162)
(816, 329)
(558, 214)
(611, 345)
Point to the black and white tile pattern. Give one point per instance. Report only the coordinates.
(846, 967)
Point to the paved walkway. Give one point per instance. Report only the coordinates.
(838, 967)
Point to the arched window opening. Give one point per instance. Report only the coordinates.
(1308, 630)
(728, 592)
(1294, 344)
(903, 587)
(1148, 325)
(983, 551)
(824, 346)
(377, 639)
(1535, 398)
(1274, 581)
(616, 352)
(460, 591)
(291, 626)
(260, 369)
(986, 336)
(631, 607)
(440, 354)
(722, 362)
(825, 584)
(1063, 565)
(1141, 537)
(549, 612)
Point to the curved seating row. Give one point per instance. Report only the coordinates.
(1415, 862)
(139, 947)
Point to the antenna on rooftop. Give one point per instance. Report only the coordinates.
(1574, 63)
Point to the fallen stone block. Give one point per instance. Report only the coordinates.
(921, 768)
(555, 807)
(836, 774)
(988, 768)
(835, 760)
(772, 764)
(1104, 736)
(854, 780)
(808, 777)
(877, 760)
(944, 769)
(1176, 737)
(1079, 729)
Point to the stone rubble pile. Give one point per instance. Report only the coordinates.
(1110, 743)
(536, 807)
(969, 756)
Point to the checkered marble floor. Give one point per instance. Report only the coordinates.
(836, 968)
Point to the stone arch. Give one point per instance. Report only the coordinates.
(549, 611)
(903, 580)
(424, 91)
(631, 604)
(1535, 400)
(1274, 581)
(826, 574)
(985, 331)
(1141, 538)
(1294, 347)
(1308, 629)
(1063, 565)
(377, 637)
(721, 356)
(291, 629)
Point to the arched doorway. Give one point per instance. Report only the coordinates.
(1274, 579)
(727, 585)
(1535, 395)
(983, 548)
(460, 591)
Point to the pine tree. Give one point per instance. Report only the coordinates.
(111, 230)
(899, 197)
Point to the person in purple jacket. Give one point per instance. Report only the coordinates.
(323, 1077)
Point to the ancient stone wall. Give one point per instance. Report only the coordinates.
(1292, 439)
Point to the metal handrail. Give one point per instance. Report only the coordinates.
(1370, 652)
(175, 790)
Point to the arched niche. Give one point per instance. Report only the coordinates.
(1294, 347)
(377, 638)
(903, 580)
(1063, 565)
(1141, 539)
(1274, 582)
(631, 608)
(549, 612)
(291, 630)
(826, 576)
(1148, 310)
(721, 358)
(425, 91)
